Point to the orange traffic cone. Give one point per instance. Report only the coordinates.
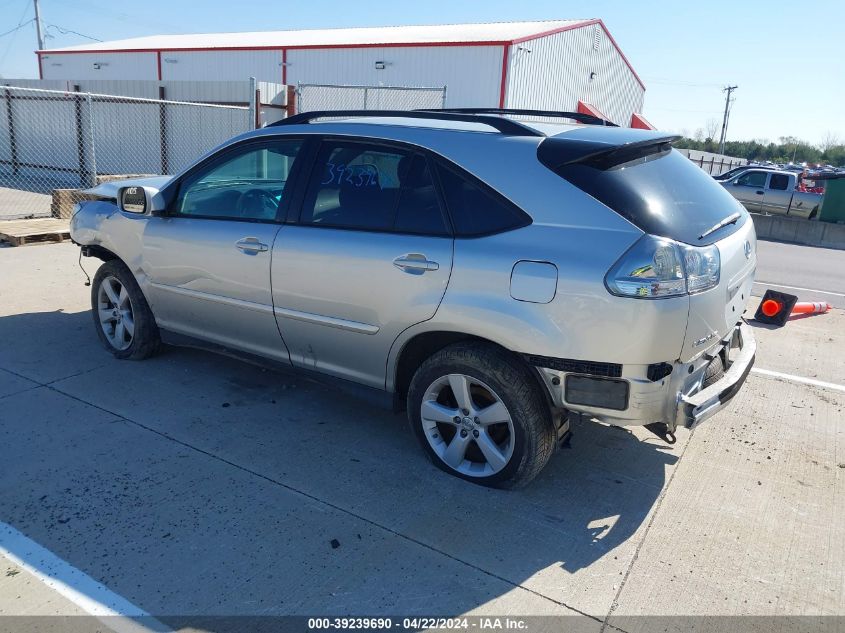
(775, 308)
(770, 307)
(808, 307)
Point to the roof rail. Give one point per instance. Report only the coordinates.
(503, 125)
(575, 116)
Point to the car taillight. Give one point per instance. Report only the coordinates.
(656, 267)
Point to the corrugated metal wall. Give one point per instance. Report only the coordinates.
(471, 73)
(111, 66)
(554, 73)
(222, 65)
(551, 72)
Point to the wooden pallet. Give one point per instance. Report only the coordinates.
(38, 231)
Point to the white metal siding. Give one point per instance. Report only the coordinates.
(555, 75)
(265, 65)
(472, 74)
(112, 66)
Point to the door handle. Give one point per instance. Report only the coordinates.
(415, 263)
(759, 193)
(251, 245)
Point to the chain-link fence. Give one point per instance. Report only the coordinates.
(52, 140)
(312, 97)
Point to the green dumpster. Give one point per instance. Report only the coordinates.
(833, 202)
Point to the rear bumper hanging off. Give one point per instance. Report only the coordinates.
(707, 402)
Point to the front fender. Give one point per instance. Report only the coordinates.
(100, 223)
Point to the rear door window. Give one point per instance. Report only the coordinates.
(368, 186)
(779, 182)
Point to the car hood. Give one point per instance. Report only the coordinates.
(110, 189)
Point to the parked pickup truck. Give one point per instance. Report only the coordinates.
(773, 191)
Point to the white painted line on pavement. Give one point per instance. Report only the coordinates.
(824, 292)
(76, 586)
(800, 379)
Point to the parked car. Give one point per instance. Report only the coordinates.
(774, 192)
(487, 275)
(733, 172)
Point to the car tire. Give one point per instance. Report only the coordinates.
(713, 372)
(122, 317)
(489, 376)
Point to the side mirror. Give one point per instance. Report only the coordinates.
(140, 200)
(133, 200)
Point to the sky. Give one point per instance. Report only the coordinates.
(786, 57)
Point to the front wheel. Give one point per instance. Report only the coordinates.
(480, 415)
(124, 321)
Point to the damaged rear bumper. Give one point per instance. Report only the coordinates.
(740, 350)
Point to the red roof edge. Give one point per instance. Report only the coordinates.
(586, 108)
(640, 122)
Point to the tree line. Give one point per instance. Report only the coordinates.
(787, 149)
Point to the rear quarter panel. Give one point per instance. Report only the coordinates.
(583, 321)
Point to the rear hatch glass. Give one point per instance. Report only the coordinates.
(659, 190)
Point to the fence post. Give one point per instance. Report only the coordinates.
(366, 94)
(162, 130)
(10, 122)
(92, 159)
(443, 99)
(81, 149)
(252, 108)
(290, 106)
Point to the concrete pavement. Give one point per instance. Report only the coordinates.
(192, 484)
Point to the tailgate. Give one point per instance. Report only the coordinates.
(713, 313)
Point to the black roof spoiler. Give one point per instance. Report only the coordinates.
(600, 150)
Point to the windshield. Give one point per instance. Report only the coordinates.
(663, 193)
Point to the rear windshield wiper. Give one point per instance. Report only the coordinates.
(731, 219)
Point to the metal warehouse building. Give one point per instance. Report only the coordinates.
(561, 65)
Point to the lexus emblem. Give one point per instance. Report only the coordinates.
(747, 249)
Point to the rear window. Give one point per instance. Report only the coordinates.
(662, 193)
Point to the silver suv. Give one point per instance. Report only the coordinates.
(490, 275)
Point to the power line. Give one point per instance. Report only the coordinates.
(662, 80)
(65, 31)
(14, 32)
(18, 27)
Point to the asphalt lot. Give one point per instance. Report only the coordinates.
(814, 274)
(194, 485)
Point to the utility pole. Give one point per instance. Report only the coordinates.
(728, 90)
(38, 26)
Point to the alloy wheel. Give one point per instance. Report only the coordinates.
(467, 425)
(114, 309)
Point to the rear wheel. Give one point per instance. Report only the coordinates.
(714, 372)
(124, 322)
(480, 415)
